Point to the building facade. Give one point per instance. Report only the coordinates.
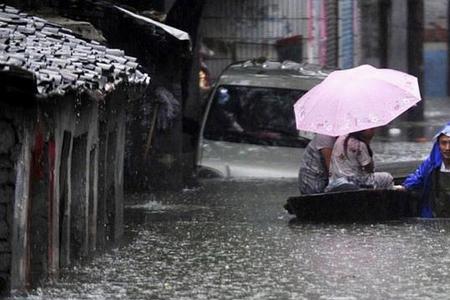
(324, 32)
(62, 119)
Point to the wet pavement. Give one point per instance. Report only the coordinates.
(234, 240)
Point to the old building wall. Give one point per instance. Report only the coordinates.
(163, 59)
(49, 155)
(64, 120)
(20, 240)
(167, 60)
(9, 135)
(112, 149)
(51, 170)
(83, 183)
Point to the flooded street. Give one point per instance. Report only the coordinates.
(148, 149)
(403, 140)
(234, 240)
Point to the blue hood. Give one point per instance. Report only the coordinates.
(421, 178)
(435, 154)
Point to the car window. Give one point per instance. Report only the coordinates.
(255, 115)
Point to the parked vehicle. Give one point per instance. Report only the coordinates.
(248, 129)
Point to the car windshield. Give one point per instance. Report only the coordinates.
(255, 115)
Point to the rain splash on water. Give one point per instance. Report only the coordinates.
(234, 240)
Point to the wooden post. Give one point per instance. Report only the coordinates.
(53, 214)
(78, 208)
(110, 173)
(118, 176)
(64, 198)
(20, 267)
(93, 198)
(102, 186)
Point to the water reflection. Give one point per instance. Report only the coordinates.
(404, 140)
(436, 114)
(234, 240)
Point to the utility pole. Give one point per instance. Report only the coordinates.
(415, 51)
(448, 49)
(332, 33)
(384, 7)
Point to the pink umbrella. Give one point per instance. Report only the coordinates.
(356, 99)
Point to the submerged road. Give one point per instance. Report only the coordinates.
(234, 240)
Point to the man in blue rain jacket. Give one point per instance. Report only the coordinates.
(432, 178)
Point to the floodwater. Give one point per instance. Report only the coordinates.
(404, 140)
(234, 240)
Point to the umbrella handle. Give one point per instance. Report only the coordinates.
(148, 143)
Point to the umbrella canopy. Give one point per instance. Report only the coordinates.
(356, 99)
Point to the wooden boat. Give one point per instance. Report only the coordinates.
(354, 206)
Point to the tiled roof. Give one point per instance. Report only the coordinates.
(60, 60)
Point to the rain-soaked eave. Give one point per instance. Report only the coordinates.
(177, 33)
(18, 81)
(132, 91)
(59, 59)
(17, 85)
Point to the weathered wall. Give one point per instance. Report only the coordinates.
(53, 160)
(20, 240)
(171, 163)
(166, 60)
(8, 155)
(61, 184)
(89, 175)
(114, 120)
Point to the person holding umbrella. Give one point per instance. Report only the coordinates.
(349, 104)
(352, 165)
(432, 178)
(314, 166)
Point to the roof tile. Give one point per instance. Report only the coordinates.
(60, 60)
